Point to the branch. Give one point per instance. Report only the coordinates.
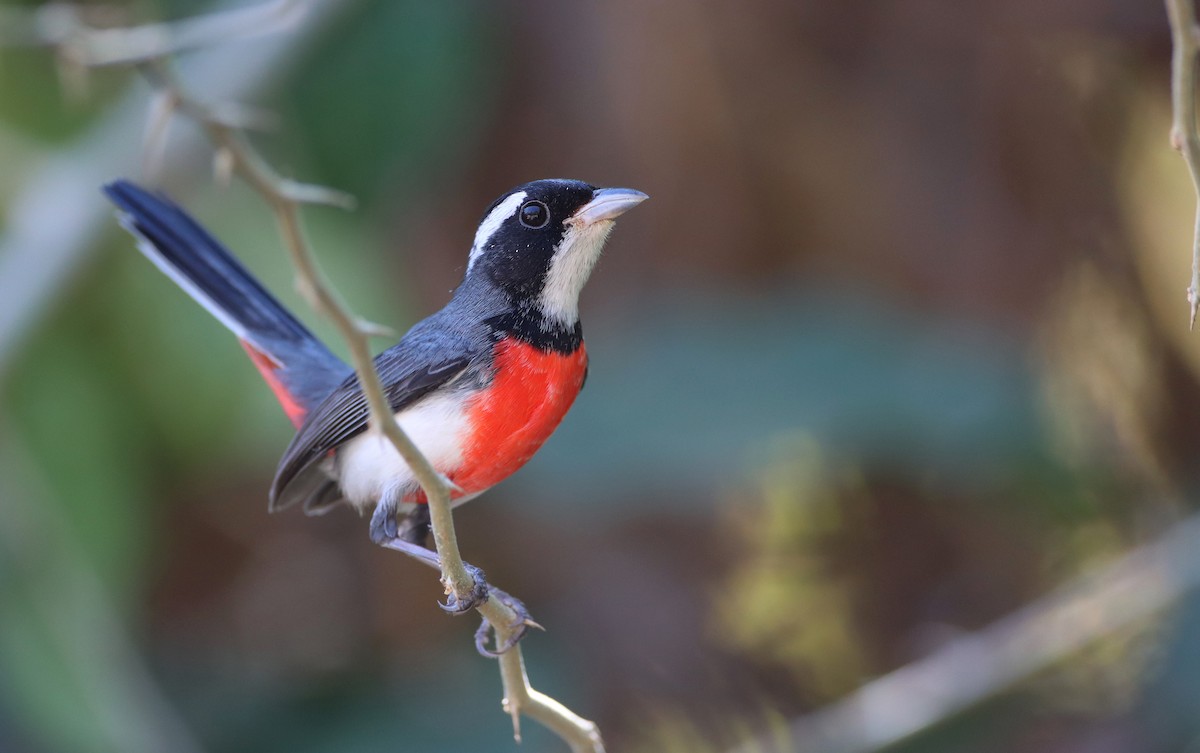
(519, 696)
(235, 154)
(65, 28)
(1184, 41)
(56, 215)
(285, 198)
(973, 668)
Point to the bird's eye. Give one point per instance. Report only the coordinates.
(534, 214)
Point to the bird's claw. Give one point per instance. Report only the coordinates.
(386, 532)
(517, 629)
(480, 590)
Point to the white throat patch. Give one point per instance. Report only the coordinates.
(492, 223)
(569, 269)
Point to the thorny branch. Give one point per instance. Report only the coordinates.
(1185, 41)
(148, 48)
(67, 29)
(54, 215)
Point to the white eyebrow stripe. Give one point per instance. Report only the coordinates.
(492, 223)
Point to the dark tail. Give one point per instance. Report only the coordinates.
(295, 364)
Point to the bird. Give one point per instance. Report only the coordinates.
(478, 386)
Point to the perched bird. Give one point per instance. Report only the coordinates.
(477, 386)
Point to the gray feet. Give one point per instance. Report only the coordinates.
(479, 589)
(479, 593)
(518, 628)
(413, 528)
(409, 536)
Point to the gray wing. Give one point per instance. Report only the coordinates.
(409, 370)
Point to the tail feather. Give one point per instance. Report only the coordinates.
(297, 366)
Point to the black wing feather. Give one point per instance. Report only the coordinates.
(408, 373)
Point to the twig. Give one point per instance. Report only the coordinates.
(971, 669)
(520, 698)
(234, 154)
(65, 28)
(54, 219)
(285, 198)
(1184, 41)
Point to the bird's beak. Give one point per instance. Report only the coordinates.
(609, 204)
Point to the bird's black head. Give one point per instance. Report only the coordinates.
(539, 242)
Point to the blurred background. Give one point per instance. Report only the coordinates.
(898, 346)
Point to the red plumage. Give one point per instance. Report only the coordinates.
(512, 417)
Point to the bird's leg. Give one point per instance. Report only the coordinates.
(415, 527)
(384, 527)
(479, 591)
(519, 626)
(416, 551)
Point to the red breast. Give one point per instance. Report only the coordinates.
(510, 419)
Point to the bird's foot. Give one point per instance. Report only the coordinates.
(413, 527)
(408, 537)
(480, 590)
(516, 629)
(455, 603)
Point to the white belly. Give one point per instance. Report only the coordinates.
(368, 466)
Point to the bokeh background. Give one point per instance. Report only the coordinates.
(898, 346)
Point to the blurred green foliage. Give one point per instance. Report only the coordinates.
(398, 96)
(784, 603)
(109, 404)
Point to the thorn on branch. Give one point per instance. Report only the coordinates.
(158, 122)
(452, 487)
(516, 632)
(308, 193)
(374, 329)
(223, 166)
(135, 45)
(514, 711)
